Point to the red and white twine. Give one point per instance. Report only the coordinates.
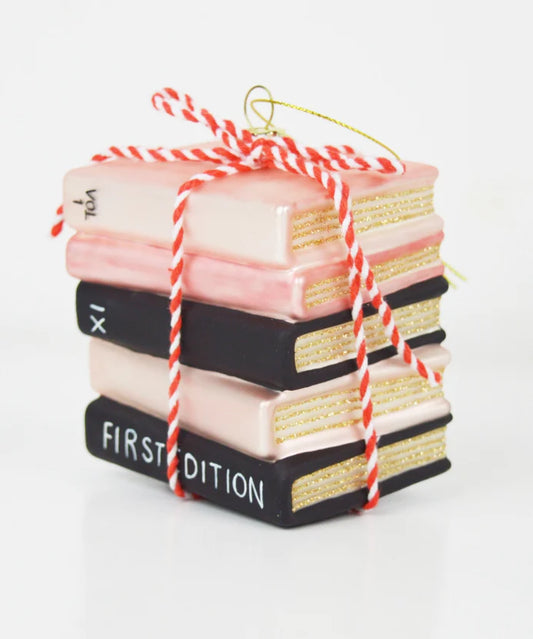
(241, 151)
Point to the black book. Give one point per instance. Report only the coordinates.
(289, 492)
(271, 352)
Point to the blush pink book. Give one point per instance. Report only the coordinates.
(245, 218)
(272, 292)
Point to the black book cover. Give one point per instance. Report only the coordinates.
(253, 347)
(261, 489)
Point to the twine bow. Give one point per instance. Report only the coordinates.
(241, 151)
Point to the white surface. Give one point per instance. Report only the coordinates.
(90, 550)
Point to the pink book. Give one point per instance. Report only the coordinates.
(263, 217)
(300, 293)
(267, 423)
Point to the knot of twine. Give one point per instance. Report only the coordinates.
(241, 151)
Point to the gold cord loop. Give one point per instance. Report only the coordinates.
(270, 129)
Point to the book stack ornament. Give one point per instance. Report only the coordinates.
(295, 393)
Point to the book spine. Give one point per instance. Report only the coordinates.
(122, 435)
(252, 347)
(132, 202)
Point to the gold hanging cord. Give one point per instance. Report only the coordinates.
(268, 127)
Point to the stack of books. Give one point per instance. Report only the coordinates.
(270, 414)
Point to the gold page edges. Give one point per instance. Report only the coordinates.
(350, 475)
(333, 288)
(313, 228)
(342, 408)
(337, 343)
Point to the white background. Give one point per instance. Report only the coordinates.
(90, 550)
